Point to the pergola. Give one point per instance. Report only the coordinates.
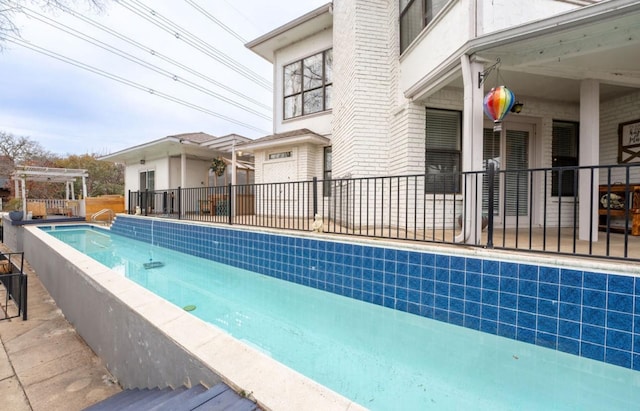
(68, 176)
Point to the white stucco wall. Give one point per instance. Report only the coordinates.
(197, 171)
(501, 14)
(318, 122)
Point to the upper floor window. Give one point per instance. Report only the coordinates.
(328, 159)
(415, 15)
(308, 84)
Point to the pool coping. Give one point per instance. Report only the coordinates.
(249, 371)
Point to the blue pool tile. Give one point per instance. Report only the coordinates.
(508, 300)
(525, 335)
(457, 263)
(527, 320)
(620, 321)
(572, 278)
(506, 330)
(427, 311)
(389, 302)
(457, 277)
(637, 306)
(593, 334)
(488, 326)
(620, 302)
(548, 307)
(549, 275)
(415, 258)
(473, 279)
(593, 351)
(441, 315)
(389, 254)
(471, 308)
(456, 291)
(414, 270)
(570, 329)
(490, 282)
(509, 270)
(491, 267)
(441, 302)
(528, 288)
(592, 298)
(547, 324)
(619, 339)
(402, 281)
(509, 285)
(402, 294)
(571, 295)
(621, 284)
(427, 286)
(414, 296)
(528, 272)
(428, 260)
(456, 305)
(569, 311)
(474, 265)
(548, 340)
(593, 316)
(427, 272)
(489, 312)
(507, 316)
(442, 261)
(617, 357)
(442, 288)
(595, 281)
(489, 297)
(414, 283)
(442, 274)
(402, 256)
(402, 305)
(427, 299)
(456, 318)
(473, 294)
(548, 291)
(414, 308)
(569, 345)
(527, 304)
(636, 362)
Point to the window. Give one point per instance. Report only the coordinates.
(415, 15)
(564, 153)
(283, 154)
(147, 180)
(327, 171)
(443, 148)
(308, 85)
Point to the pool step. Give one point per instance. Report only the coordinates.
(217, 398)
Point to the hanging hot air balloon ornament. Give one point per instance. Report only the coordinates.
(497, 104)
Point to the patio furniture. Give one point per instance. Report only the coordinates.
(613, 203)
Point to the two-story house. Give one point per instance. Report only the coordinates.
(376, 87)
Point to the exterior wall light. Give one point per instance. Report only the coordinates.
(517, 107)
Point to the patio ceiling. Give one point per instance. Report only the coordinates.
(548, 59)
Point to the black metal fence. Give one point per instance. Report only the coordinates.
(13, 286)
(533, 210)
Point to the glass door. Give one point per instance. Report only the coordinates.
(508, 150)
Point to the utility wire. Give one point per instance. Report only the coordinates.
(194, 41)
(127, 82)
(215, 20)
(155, 53)
(134, 59)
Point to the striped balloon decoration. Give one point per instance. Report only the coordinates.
(498, 102)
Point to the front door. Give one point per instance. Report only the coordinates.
(509, 150)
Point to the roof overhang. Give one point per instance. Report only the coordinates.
(162, 148)
(599, 42)
(304, 26)
(306, 138)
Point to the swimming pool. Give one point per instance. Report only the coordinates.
(379, 357)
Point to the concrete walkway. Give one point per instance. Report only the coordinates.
(44, 364)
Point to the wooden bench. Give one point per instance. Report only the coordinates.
(612, 202)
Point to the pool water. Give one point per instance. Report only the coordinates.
(380, 358)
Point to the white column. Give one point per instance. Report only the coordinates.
(589, 156)
(472, 142)
(84, 187)
(23, 182)
(183, 170)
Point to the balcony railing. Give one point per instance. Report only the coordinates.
(533, 210)
(13, 286)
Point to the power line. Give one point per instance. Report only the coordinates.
(215, 20)
(134, 59)
(127, 82)
(159, 55)
(194, 41)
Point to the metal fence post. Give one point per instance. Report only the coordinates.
(129, 203)
(179, 203)
(230, 203)
(491, 175)
(23, 295)
(315, 196)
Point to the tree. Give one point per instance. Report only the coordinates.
(105, 177)
(10, 8)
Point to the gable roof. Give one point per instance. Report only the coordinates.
(299, 136)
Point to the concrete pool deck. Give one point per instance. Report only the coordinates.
(44, 364)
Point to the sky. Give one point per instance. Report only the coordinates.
(69, 110)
